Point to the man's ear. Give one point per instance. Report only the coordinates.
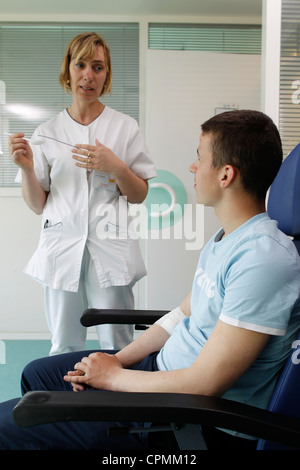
(228, 174)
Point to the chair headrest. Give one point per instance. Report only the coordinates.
(284, 195)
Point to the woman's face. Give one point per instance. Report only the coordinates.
(87, 77)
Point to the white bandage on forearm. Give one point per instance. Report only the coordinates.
(171, 319)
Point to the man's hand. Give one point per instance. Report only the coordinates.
(95, 371)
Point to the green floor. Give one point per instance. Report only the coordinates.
(14, 355)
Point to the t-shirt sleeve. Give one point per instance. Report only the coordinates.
(261, 297)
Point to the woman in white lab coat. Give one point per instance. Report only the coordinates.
(87, 255)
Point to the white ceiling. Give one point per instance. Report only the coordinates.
(207, 8)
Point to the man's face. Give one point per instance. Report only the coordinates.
(205, 175)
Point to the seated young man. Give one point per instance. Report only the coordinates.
(230, 336)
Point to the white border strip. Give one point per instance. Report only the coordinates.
(252, 326)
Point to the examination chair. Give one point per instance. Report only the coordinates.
(277, 428)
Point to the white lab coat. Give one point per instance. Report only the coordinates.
(72, 215)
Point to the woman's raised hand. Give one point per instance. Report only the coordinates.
(21, 152)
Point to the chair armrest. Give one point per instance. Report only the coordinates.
(94, 316)
(45, 407)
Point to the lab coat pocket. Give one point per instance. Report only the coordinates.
(42, 264)
(115, 231)
(50, 239)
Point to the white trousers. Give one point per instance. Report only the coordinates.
(63, 311)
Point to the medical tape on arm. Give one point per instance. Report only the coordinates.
(171, 319)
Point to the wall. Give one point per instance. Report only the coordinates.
(183, 90)
(179, 91)
(21, 299)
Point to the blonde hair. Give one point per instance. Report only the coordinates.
(84, 46)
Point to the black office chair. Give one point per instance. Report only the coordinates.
(278, 427)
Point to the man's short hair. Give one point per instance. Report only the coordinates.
(249, 141)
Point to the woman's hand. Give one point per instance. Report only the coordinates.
(101, 158)
(97, 157)
(96, 371)
(21, 152)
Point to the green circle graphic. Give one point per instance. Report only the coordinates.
(165, 189)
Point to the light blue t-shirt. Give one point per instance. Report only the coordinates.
(249, 279)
